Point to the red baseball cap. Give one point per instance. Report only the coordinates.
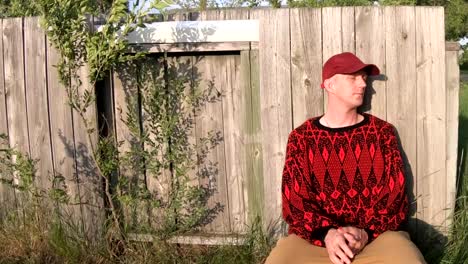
(346, 63)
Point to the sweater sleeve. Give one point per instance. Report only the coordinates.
(300, 207)
(391, 206)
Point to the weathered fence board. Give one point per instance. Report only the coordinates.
(306, 64)
(36, 98)
(275, 101)
(7, 197)
(370, 47)
(400, 72)
(338, 35)
(401, 83)
(453, 88)
(234, 91)
(3, 113)
(127, 129)
(212, 166)
(254, 152)
(89, 177)
(348, 25)
(15, 94)
(431, 118)
(183, 68)
(62, 141)
(14, 83)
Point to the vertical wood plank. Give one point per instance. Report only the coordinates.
(224, 14)
(63, 144)
(14, 83)
(401, 85)
(153, 86)
(348, 31)
(370, 48)
(13, 44)
(3, 109)
(275, 101)
(453, 88)
(234, 111)
(332, 36)
(212, 168)
(36, 97)
(127, 130)
(254, 151)
(88, 175)
(431, 116)
(234, 108)
(181, 70)
(7, 197)
(306, 64)
(331, 32)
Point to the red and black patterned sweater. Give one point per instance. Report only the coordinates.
(350, 176)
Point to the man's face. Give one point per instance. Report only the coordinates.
(349, 88)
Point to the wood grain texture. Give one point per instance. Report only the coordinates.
(212, 166)
(431, 116)
(234, 111)
(254, 151)
(370, 48)
(7, 196)
(127, 131)
(235, 88)
(348, 35)
(306, 64)
(401, 85)
(63, 143)
(14, 84)
(89, 176)
(453, 88)
(275, 102)
(37, 102)
(13, 44)
(332, 38)
(3, 109)
(452, 46)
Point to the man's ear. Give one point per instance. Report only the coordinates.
(329, 87)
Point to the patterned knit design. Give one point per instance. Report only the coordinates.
(351, 176)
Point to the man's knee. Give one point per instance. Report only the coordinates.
(293, 249)
(396, 236)
(396, 247)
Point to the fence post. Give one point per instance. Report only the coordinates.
(452, 71)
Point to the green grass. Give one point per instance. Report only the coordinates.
(456, 250)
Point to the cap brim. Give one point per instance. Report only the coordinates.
(371, 69)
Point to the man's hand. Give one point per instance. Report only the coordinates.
(338, 250)
(357, 238)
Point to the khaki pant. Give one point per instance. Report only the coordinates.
(388, 248)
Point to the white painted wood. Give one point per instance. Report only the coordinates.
(195, 240)
(196, 31)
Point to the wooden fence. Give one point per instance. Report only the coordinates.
(269, 87)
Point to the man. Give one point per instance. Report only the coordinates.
(343, 185)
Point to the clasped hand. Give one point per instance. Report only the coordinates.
(344, 243)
